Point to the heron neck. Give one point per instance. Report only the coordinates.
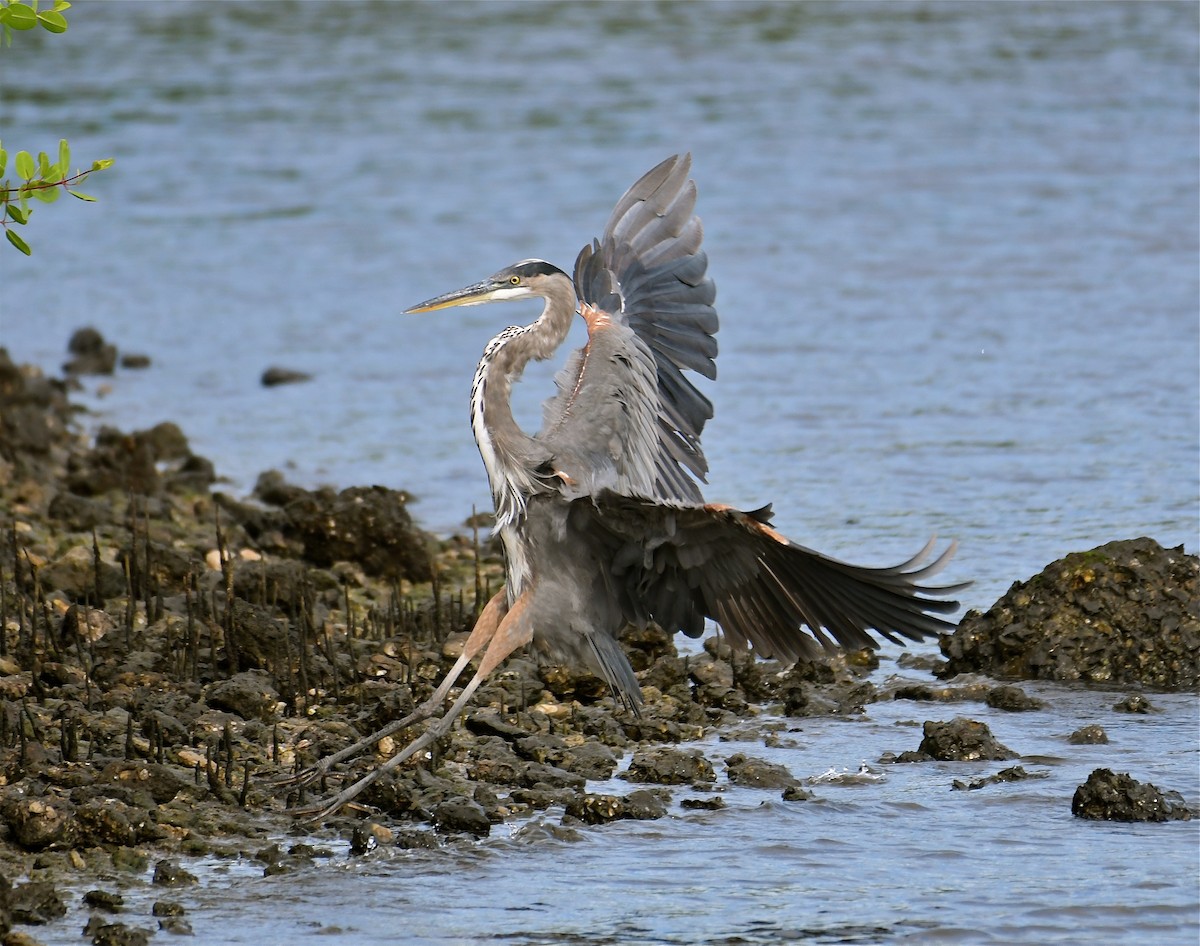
(510, 455)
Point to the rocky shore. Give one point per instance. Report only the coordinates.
(170, 652)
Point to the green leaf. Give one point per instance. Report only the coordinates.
(16, 241)
(18, 16)
(81, 195)
(43, 164)
(3, 161)
(102, 164)
(25, 164)
(61, 5)
(53, 22)
(47, 195)
(64, 156)
(19, 215)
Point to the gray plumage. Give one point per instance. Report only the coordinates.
(600, 513)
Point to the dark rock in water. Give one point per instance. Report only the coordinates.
(1107, 796)
(1091, 735)
(1013, 700)
(1016, 773)
(1124, 612)
(36, 902)
(755, 773)
(118, 934)
(711, 803)
(93, 355)
(167, 873)
(135, 361)
(599, 809)
(367, 525)
(275, 376)
(960, 740)
(104, 900)
(1135, 703)
(462, 815)
(669, 766)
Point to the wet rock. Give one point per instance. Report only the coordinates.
(666, 765)
(135, 361)
(1015, 773)
(275, 376)
(161, 782)
(599, 809)
(105, 900)
(130, 859)
(958, 692)
(167, 908)
(712, 803)
(176, 926)
(796, 793)
(755, 773)
(1135, 703)
(1091, 735)
(960, 740)
(168, 873)
(37, 823)
(366, 837)
(92, 354)
(1013, 700)
(1121, 613)
(1106, 796)
(367, 525)
(36, 903)
(249, 695)
(107, 821)
(118, 934)
(462, 815)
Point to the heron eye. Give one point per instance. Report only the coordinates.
(515, 280)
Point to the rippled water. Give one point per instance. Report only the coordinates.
(956, 252)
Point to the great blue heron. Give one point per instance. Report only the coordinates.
(600, 516)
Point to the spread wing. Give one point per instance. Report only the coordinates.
(677, 565)
(623, 399)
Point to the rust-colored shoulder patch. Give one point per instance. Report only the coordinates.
(597, 319)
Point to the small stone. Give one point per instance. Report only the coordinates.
(1135, 703)
(462, 815)
(1013, 699)
(755, 773)
(167, 873)
(104, 900)
(275, 376)
(1091, 735)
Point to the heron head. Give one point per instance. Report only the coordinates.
(531, 277)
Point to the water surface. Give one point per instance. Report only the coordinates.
(955, 246)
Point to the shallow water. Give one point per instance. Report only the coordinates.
(956, 254)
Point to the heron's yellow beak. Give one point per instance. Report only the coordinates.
(476, 294)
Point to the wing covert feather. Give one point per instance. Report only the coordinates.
(679, 564)
(647, 272)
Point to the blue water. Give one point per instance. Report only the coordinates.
(956, 252)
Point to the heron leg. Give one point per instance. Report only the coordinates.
(481, 635)
(514, 631)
